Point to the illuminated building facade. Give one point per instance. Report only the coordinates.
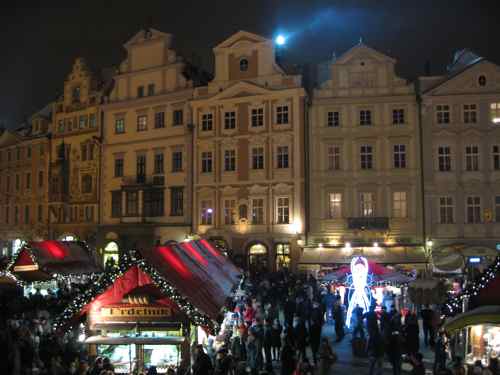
(364, 177)
(249, 125)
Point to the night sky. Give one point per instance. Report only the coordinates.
(40, 42)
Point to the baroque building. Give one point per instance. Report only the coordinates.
(364, 178)
(147, 165)
(75, 157)
(461, 150)
(24, 166)
(249, 125)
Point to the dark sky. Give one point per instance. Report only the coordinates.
(40, 42)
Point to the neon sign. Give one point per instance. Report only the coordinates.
(359, 291)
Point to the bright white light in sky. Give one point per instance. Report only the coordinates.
(280, 40)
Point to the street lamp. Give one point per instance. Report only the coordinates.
(280, 40)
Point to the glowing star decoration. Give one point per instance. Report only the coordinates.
(359, 292)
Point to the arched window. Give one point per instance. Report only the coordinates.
(257, 257)
(482, 80)
(111, 254)
(87, 184)
(243, 65)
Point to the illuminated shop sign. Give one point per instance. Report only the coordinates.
(132, 311)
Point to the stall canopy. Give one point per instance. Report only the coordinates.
(189, 275)
(479, 315)
(39, 261)
(379, 273)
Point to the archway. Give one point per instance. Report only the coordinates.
(257, 256)
(111, 253)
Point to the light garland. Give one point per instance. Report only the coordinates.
(62, 322)
(453, 305)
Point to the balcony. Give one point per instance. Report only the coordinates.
(368, 223)
(141, 180)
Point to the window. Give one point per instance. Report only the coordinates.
(18, 182)
(60, 126)
(84, 152)
(444, 158)
(206, 213)
(206, 122)
(158, 166)
(69, 121)
(229, 211)
(142, 123)
(151, 89)
(398, 116)
(481, 80)
(333, 154)
(257, 117)
(40, 213)
(229, 160)
(258, 158)
(282, 114)
(159, 120)
(176, 201)
(366, 157)
(443, 114)
(132, 207)
(141, 168)
(282, 153)
(178, 117)
(230, 120)
(87, 184)
(42, 150)
(9, 155)
(92, 120)
(28, 181)
(365, 117)
(89, 213)
(26, 215)
(497, 208)
(40, 179)
(83, 121)
(7, 185)
(470, 113)
(153, 203)
(75, 94)
(473, 210)
(333, 119)
(282, 256)
(177, 161)
(283, 210)
(119, 167)
(140, 91)
(119, 126)
(335, 205)
(18, 154)
(472, 158)
(28, 152)
(399, 204)
(367, 204)
(399, 156)
(257, 211)
(243, 65)
(206, 162)
(496, 157)
(16, 215)
(7, 215)
(116, 203)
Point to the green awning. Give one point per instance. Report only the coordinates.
(480, 315)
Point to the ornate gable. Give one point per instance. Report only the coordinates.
(241, 89)
(241, 38)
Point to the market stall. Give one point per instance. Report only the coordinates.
(147, 311)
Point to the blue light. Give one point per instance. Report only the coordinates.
(474, 260)
(280, 40)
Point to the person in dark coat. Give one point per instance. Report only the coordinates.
(238, 348)
(412, 334)
(338, 315)
(427, 314)
(289, 310)
(394, 352)
(276, 340)
(375, 348)
(287, 359)
(385, 322)
(267, 343)
(300, 334)
(314, 339)
(251, 350)
(202, 364)
(440, 352)
(357, 312)
(223, 363)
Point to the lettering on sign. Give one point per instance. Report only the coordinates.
(146, 311)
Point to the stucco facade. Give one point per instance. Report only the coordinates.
(75, 157)
(249, 154)
(365, 182)
(146, 164)
(461, 148)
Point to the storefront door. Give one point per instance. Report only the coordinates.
(258, 257)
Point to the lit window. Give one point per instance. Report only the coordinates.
(282, 114)
(333, 119)
(444, 158)
(399, 204)
(365, 117)
(443, 114)
(206, 213)
(230, 120)
(120, 126)
(472, 158)
(473, 210)
(470, 113)
(257, 117)
(335, 205)
(366, 157)
(283, 258)
(367, 204)
(258, 211)
(283, 210)
(399, 156)
(495, 113)
(229, 211)
(334, 156)
(142, 123)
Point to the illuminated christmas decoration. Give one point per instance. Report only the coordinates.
(359, 290)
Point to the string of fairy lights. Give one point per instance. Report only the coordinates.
(454, 304)
(63, 321)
